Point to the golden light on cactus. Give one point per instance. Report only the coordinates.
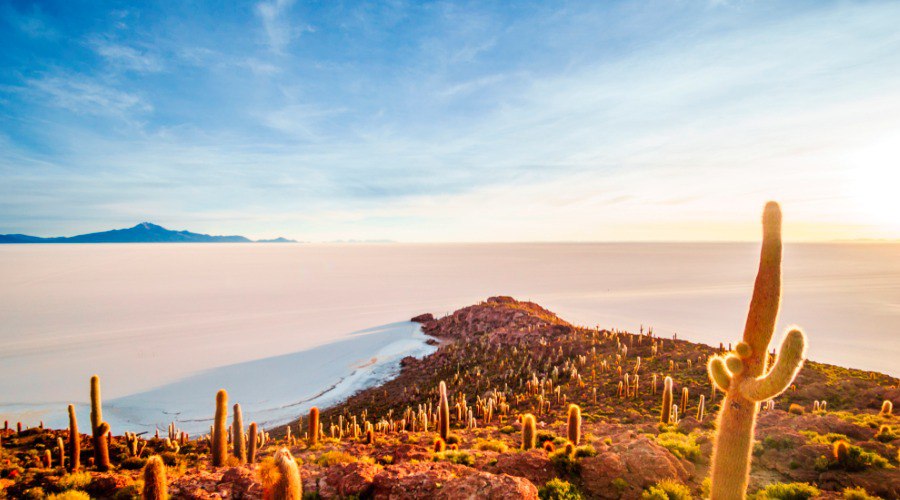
(443, 412)
(573, 428)
(288, 485)
(99, 428)
(743, 375)
(154, 480)
(529, 431)
(666, 412)
(237, 432)
(219, 445)
(312, 432)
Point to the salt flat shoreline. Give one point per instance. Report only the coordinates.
(271, 391)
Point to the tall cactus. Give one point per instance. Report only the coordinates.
(237, 432)
(313, 428)
(99, 428)
(154, 480)
(220, 433)
(574, 424)
(666, 413)
(443, 412)
(743, 375)
(74, 441)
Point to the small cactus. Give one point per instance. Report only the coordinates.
(666, 414)
(99, 428)
(237, 430)
(313, 431)
(154, 480)
(252, 439)
(219, 445)
(574, 424)
(840, 451)
(887, 408)
(443, 412)
(529, 432)
(288, 486)
(74, 441)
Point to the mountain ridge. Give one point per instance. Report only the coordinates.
(144, 232)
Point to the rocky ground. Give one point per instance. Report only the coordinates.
(503, 358)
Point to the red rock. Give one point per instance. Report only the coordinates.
(105, 484)
(639, 462)
(418, 480)
(488, 486)
(353, 479)
(242, 483)
(532, 465)
(423, 318)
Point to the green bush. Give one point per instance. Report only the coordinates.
(681, 445)
(133, 463)
(75, 481)
(330, 458)
(859, 493)
(667, 489)
(557, 489)
(585, 451)
(787, 491)
(70, 495)
(455, 457)
(491, 445)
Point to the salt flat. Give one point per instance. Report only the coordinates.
(166, 321)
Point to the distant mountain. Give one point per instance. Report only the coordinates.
(144, 232)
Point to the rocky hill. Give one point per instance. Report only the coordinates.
(502, 359)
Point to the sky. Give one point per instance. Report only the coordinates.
(452, 121)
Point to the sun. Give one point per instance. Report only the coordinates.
(874, 179)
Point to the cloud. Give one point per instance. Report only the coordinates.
(279, 30)
(86, 96)
(125, 57)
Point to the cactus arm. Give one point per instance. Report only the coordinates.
(764, 304)
(789, 361)
(718, 373)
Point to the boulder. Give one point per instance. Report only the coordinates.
(484, 485)
(532, 465)
(626, 468)
(355, 479)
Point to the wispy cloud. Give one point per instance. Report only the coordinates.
(279, 28)
(125, 57)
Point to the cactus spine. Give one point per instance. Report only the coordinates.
(443, 412)
(252, 443)
(154, 480)
(219, 448)
(74, 441)
(313, 433)
(743, 375)
(574, 427)
(99, 428)
(237, 431)
(666, 414)
(529, 432)
(288, 486)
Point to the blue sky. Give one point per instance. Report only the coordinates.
(451, 121)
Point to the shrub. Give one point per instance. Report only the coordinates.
(70, 495)
(565, 463)
(667, 489)
(330, 458)
(859, 493)
(856, 459)
(787, 491)
(585, 451)
(681, 445)
(491, 445)
(455, 457)
(557, 489)
(886, 434)
(507, 429)
(133, 463)
(34, 494)
(75, 481)
(796, 410)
